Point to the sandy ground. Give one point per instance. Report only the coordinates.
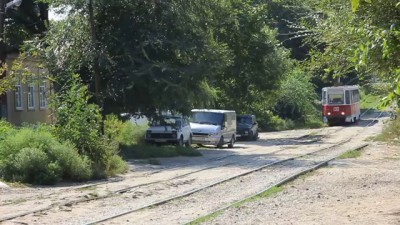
(364, 190)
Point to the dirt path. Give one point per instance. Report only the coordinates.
(363, 190)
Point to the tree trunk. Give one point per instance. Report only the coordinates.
(95, 59)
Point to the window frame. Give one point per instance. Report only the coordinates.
(31, 95)
(42, 95)
(18, 97)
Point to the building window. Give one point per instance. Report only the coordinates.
(31, 96)
(42, 95)
(18, 97)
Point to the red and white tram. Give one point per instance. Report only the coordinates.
(340, 104)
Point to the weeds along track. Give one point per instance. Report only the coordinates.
(128, 190)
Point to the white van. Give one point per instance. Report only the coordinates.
(213, 127)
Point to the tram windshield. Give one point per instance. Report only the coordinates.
(335, 98)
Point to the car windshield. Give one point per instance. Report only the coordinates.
(207, 118)
(244, 120)
(167, 121)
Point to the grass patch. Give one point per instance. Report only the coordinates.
(266, 194)
(350, 154)
(391, 132)
(151, 151)
(205, 218)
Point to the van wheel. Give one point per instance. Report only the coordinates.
(221, 142)
(189, 142)
(232, 142)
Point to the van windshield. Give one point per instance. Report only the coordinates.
(207, 118)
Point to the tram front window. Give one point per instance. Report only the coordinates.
(334, 99)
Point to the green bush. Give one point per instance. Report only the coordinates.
(5, 129)
(116, 165)
(125, 133)
(31, 165)
(80, 123)
(53, 160)
(74, 166)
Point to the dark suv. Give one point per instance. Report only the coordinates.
(247, 127)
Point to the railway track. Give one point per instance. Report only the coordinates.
(278, 183)
(117, 179)
(122, 191)
(127, 189)
(217, 183)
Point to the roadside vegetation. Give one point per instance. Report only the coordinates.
(391, 132)
(266, 194)
(351, 154)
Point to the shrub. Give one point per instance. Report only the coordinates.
(5, 128)
(52, 160)
(125, 133)
(116, 165)
(74, 166)
(80, 122)
(31, 165)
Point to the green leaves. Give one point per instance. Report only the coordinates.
(355, 4)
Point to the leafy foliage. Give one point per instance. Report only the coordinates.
(296, 98)
(35, 156)
(80, 122)
(125, 133)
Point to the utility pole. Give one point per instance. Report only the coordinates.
(96, 58)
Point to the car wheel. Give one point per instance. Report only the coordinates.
(255, 137)
(180, 142)
(189, 142)
(221, 142)
(251, 136)
(232, 142)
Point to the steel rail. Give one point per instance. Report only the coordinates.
(237, 176)
(277, 184)
(216, 183)
(120, 191)
(288, 179)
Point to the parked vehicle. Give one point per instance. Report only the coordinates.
(247, 127)
(213, 127)
(340, 104)
(170, 129)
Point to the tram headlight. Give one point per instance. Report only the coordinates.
(343, 113)
(329, 113)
